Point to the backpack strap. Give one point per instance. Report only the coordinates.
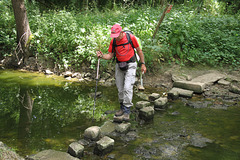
(115, 45)
(129, 39)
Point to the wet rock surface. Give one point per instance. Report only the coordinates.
(51, 155)
(104, 145)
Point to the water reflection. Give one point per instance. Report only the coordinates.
(47, 115)
(26, 105)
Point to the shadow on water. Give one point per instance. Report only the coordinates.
(39, 112)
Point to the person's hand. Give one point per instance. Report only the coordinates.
(143, 68)
(99, 54)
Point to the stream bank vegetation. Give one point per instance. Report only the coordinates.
(194, 32)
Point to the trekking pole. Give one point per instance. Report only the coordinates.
(140, 87)
(96, 87)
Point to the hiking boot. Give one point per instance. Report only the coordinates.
(119, 113)
(125, 117)
(117, 119)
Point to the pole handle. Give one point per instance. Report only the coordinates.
(98, 68)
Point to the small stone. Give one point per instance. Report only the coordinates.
(92, 133)
(175, 113)
(75, 149)
(153, 97)
(183, 92)
(48, 72)
(123, 127)
(141, 104)
(104, 145)
(173, 95)
(146, 113)
(77, 75)
(223, 82)
(160, 102)
(67, 74)
(83, 142)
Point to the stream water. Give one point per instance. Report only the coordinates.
(39, 112)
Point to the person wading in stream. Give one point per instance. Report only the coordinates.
(125, 68)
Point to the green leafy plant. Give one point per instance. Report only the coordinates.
(186, 36)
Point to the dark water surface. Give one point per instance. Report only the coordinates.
(39, 112)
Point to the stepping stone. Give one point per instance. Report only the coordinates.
(107, 128)
(123, 127)
(92, 133)
(103, 146)
(173, 95)
(141, 104)
(52, 155)
(160, 102)
(196, 87)
(146, 113)
(183, 92)
(75, 149)
(209, 78)
(153, 97)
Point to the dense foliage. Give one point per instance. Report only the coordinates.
(191, 33)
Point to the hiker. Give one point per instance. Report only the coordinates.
(125, 68)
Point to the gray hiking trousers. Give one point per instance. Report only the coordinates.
(125, 81)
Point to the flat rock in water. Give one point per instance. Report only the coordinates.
(104, 145)
(183, 92)
(107, 128)
(208, 78)
(197, 87)
(51, 155)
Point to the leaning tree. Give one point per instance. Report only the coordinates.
(23, 32)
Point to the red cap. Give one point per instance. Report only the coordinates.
(115, 30)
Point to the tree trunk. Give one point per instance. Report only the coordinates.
(113, 4)
(23, 29)
(85, 3)
(160, 21)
